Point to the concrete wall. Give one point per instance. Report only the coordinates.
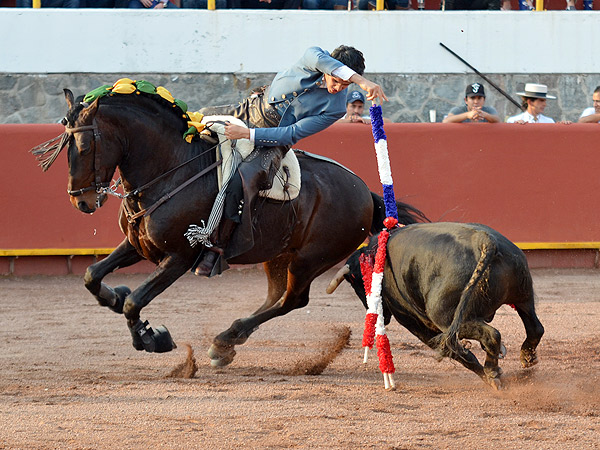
(251, 41)
(214, 57)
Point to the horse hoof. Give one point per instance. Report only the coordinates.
(152, 340)
(220, 356)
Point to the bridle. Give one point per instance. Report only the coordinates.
(97, 185)
(104, 187)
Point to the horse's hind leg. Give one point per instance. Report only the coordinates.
(534, 330)
(124, 255)
(296, 295)
(276, 271)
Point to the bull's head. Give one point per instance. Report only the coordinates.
(351, 272)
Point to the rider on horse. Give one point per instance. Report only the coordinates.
(300, 102)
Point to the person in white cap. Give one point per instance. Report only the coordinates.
(534, 102)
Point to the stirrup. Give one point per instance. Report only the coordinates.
(205, 266)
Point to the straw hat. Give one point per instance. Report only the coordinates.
(533, 90)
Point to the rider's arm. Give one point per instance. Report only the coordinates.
(291, 134)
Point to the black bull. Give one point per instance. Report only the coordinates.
(444, 282)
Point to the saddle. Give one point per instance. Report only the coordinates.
(287, 180)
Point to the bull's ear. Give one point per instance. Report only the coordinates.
(69, 97)
(88, 113)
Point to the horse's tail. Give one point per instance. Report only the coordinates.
(447, 342)
(407, 214)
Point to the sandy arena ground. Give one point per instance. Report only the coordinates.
(70, 378)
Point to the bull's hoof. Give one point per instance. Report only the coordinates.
(156, 340)
(528, 360)
(502, 351)
(221, 355)
(495, 383)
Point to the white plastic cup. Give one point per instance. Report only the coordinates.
(432, 115)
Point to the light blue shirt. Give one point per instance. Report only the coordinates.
(304, 105)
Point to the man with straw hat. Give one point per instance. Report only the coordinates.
(534, 102)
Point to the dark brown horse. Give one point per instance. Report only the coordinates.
(142, 138)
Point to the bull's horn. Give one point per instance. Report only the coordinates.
(338, 278)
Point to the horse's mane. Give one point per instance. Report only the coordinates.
(124, 92)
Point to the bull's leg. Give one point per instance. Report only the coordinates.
(534, 330)
(491, 342)
(296, 295)
(124, 255)
(427, 335)
(144, 337)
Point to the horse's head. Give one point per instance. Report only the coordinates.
(91, 166)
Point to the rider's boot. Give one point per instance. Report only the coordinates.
(211, 255)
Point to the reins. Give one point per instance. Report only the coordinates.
(103, 187)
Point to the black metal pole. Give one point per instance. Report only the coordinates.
(513, 101)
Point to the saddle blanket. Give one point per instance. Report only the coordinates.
(287, 181)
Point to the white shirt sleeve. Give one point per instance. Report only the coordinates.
(251, 135)
(344, 72)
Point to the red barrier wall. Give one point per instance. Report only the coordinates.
(534, 183)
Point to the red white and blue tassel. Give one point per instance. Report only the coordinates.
(374, 321)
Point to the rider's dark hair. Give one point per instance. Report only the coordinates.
(350, 57)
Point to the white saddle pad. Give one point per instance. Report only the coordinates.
(284, 187)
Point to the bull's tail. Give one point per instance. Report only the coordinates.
(407, 214)
(447, 343)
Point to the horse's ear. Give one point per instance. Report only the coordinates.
(69, 97)
(88, 113)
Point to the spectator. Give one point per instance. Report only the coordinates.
(534, 101)
(50, 4)
(152, 4)
(472, 5)
(592, 114)
(474, 109)
(388, 4)
(203, 4)
(355, 108)
(266, 4)
(324, 4)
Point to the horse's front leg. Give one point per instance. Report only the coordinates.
(124, 255)
(156, 340)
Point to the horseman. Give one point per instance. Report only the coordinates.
(301, 101)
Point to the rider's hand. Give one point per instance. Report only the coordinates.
(236, 132)
(374, 91)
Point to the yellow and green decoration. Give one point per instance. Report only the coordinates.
(129, 86)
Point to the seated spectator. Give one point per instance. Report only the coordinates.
(325, 4)
(50, 3)
(387, 4)
(592, 114)
(152, 4)
(266, 4)
(203, 4)
(453, 5)
(534, 100)
(355, 108)
(474, 109)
